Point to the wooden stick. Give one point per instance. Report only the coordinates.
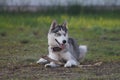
(60, 63)
(52, 60)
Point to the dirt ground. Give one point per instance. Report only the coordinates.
(105, 71)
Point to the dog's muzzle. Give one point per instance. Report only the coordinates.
(60, 47)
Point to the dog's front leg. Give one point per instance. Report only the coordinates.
(51, 64)
(71, 63)
(42, 61)
(54, 57)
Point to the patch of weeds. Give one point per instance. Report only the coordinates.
(97, 30)
(3, 34)
(115, 30)
(24, 41)
(30, 60)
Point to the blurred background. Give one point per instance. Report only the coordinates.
(24, 25)
(38, 5)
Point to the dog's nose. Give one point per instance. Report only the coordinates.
(64, 41)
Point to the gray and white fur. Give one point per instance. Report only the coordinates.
(61, 47)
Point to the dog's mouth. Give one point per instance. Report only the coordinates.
(62, 46)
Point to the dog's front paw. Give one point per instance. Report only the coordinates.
(70, 63)
(42, 61)
(48, 65)
(51, 64)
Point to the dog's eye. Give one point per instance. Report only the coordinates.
(58, 34)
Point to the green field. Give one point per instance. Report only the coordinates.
(23, 39)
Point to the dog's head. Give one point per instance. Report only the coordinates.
(58, 35)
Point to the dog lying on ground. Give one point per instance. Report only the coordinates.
(62, 48)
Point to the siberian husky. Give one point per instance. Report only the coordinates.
(63, 48)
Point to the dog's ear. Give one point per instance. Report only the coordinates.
(53, 25)
(65, 24)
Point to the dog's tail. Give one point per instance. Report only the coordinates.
(83, 51)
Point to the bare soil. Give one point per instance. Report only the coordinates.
(38, 72)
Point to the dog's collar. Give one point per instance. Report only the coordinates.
(56, 49)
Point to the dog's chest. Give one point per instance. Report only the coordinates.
(58, 54)
(63, 55)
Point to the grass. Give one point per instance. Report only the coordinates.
(23, 39)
